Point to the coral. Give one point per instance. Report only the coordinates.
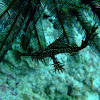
(39, 38)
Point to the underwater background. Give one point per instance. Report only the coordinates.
(49, 50)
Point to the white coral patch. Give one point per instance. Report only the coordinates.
(78, 37)
(92, 96)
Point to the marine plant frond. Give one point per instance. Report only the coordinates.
(7, 8)
(90, 36)
(9, 32)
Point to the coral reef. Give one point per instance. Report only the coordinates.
(49, 50)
